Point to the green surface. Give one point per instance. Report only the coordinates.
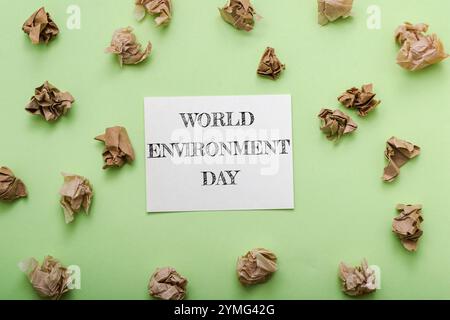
(343, 209)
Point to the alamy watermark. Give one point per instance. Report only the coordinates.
(374, 17)
(74, 19)
(74, 278)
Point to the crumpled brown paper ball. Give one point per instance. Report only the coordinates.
(49, 102)
(11, 188)
(118, 149)
(256, 266)
(161, 8)
(362, 99)
(167, 284)
(357, 281)
(40, 27)
(240, 14)
(50, 280)
(336, 123)
(407, 225)
(76, 194)
(418, 50)
(331, 10)
(124, 45)
(398, 152)
(270, 65)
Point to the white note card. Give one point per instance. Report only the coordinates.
(219, 153)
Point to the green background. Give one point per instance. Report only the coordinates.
(343, 210)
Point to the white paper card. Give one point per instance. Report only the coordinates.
(219, 153)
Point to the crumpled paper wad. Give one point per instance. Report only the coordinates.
(50, 280)
(335, 124)
(363, 100)
(357, 281)
(49, 102)
(418, 49)
(240, 14)
(269, 65)
(167, 284)
(40, 27)
(161, 8)
(118, 149)
(76, 194)
(257, 266)
(128, 51)
(331, 10)
(407, 225)
(11, 187)
(398, 152)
